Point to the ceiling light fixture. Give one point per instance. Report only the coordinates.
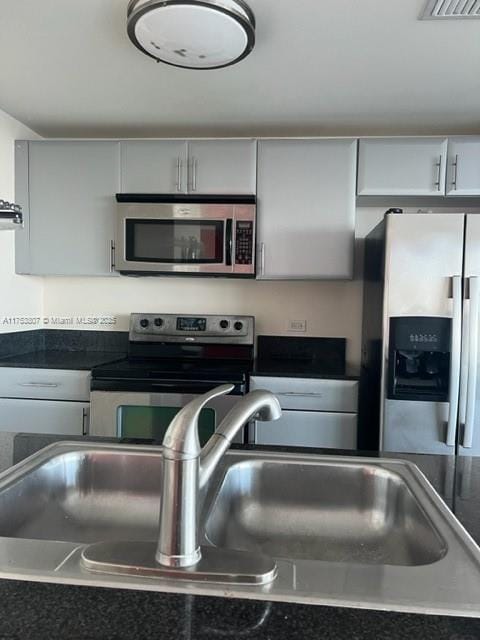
(194, 34)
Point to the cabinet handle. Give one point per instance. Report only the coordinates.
(455, 171)
(194, 174)
(112, 256)
(85, 422)
(262, 258)
(179, 174)
(49, 385)
(439, 174)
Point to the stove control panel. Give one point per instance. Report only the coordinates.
(155, 327)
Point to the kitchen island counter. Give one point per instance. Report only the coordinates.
(39, 610)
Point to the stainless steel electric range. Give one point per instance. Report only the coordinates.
(171, 360)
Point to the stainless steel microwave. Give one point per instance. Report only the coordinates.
(184, 235)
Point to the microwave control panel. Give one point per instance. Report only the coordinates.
(244, 242)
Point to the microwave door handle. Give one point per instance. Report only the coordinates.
(228, 242)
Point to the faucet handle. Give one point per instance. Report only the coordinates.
(181, 439)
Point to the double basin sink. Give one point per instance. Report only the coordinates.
(360, 532)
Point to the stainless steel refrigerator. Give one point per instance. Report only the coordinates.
(419, 387)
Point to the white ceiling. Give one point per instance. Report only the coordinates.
(325, 67)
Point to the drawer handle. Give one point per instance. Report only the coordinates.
(39, 384)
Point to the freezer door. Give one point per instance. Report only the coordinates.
(423, 267)
(469, 416)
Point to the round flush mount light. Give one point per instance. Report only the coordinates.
(194, 34)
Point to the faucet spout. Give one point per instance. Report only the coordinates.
(258, 404)
(181, 439)
(187, 468)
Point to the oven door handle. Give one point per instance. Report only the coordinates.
(228, 241)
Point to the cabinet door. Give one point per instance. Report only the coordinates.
(222, 166)
(402, 166)
(309, 429)
(44, 416)
(306, 208)
(154, 166)
(463, 174)
(70, 190)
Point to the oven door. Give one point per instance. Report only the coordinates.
(145, 415)
(174, 238)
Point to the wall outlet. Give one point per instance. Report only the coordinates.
(297, 325)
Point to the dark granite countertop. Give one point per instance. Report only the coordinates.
(289, 368)
(62, 349)
(79, 360)
(35, 610)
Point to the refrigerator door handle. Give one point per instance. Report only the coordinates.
(472, 361)
(462, 411)
(455, 363)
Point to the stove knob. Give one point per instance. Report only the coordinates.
(224, 324)
(144, 323)
(238, 326)
(158, 322)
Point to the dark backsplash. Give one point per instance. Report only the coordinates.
(327, 354)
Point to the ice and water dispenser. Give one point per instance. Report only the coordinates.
(419, 358)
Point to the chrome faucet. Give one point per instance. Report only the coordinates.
(187, 469)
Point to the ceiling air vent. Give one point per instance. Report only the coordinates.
(451, 9)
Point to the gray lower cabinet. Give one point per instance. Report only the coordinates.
(44, 416)
(315, 413)
(306, 208)
(310, 429)
(44, 401)
(67, 191)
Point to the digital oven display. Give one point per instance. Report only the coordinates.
(191, 324)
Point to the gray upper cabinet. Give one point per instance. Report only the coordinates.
(306, 208)
(222, 166)
(463, 167)
(154, 166)
(402, 166)
(67, 190)
(195, 166)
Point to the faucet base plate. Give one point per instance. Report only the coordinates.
(216, 565)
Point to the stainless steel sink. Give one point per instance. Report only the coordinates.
(84, 495)
(338, 512)
(360, 532)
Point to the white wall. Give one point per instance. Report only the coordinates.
(19, 295)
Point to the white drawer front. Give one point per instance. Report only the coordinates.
(44, 416)
(46, 384)
(311, 393)
(309, 429)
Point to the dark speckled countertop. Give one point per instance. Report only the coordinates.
(45, 611)
(79, 360)
(62, 349)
